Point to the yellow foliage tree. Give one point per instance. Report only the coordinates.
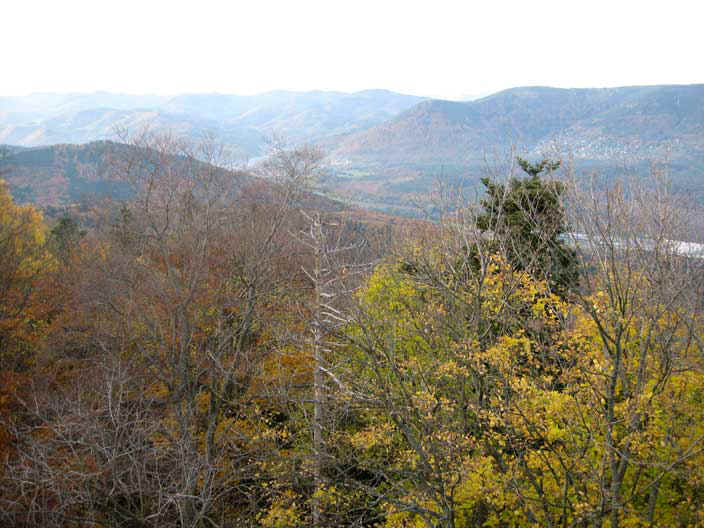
(429, 346)
(24, 260)
(492, 402)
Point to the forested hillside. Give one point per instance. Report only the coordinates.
(596, 124)
(219, 350)
(61, 175)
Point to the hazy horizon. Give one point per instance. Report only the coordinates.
(466, 97)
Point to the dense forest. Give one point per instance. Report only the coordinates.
(228, 351)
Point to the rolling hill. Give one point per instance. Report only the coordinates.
(59, 175)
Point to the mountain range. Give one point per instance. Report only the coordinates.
(247, 122)
(384, 148)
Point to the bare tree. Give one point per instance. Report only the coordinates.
(175, 291)
(334, 272)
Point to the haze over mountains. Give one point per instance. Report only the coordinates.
(385, 147)
(244, 121)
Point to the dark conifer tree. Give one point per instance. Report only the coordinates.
(527, 218)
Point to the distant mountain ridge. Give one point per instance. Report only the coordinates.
(244, 121)
(594, 123)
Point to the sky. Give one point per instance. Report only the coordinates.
(437, 48)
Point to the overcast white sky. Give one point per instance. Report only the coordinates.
(433, 47)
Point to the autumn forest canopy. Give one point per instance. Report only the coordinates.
(233, 350)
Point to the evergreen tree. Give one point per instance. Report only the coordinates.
(527, 219)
